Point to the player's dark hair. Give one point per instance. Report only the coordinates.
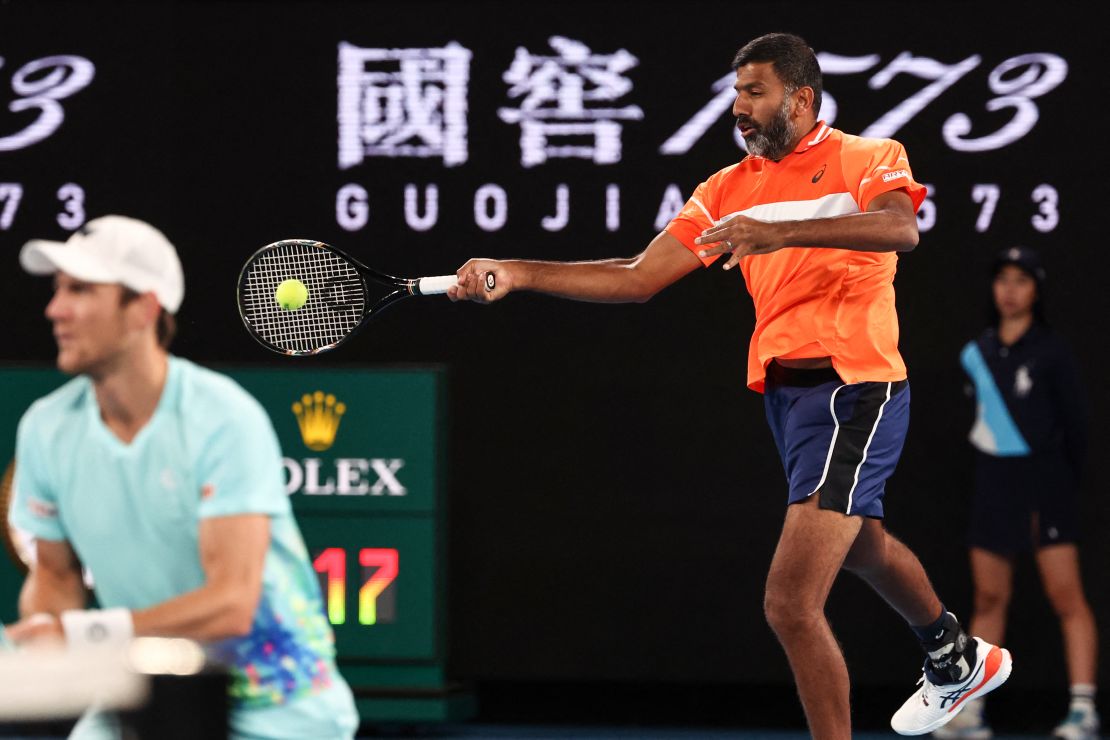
(792, 59)
(167, 324)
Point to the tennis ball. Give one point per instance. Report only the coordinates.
(291, 294)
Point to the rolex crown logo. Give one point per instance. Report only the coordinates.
(318, 415)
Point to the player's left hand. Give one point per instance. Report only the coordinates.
(741, 236)
(37, 630)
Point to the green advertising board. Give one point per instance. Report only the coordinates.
(363, 458)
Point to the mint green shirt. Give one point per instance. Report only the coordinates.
(131, 512)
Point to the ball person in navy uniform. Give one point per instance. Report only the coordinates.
(1029, 437)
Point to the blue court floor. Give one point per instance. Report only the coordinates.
(571, 732)
(529, 732)
(591, 733)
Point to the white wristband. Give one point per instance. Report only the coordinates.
(98, 627)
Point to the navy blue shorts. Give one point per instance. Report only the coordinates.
(842, 441)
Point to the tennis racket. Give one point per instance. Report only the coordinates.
(339, 300)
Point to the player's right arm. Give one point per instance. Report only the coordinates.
(631, 280)
(54, 583)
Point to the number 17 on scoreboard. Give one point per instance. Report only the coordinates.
(377, 599)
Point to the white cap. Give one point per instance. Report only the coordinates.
(113, 249)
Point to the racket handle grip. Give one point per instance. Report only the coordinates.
(438, 285)
(435, 285)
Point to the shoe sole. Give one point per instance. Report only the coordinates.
(997, 669)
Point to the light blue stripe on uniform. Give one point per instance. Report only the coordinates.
(995, 431)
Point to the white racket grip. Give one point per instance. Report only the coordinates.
(85, 628)
(438, 285)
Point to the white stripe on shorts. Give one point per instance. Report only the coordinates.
(832, 442)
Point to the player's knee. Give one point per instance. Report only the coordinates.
(991, 599)
(786, 614)
(1067, 601)
(864, 560)
(870, 553)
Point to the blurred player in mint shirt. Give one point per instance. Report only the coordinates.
(163, 478)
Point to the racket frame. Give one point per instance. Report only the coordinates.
(405, 287)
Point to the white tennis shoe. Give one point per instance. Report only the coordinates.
(934, 705)
(1080, 724)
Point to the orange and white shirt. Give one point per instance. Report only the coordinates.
(813, 302)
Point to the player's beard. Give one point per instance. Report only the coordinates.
(773, 140)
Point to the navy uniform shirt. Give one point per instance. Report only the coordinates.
(1029, 400)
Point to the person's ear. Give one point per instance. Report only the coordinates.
(803, 100)
(144, 311)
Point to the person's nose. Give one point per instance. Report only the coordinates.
(740, 108)
(57, 307)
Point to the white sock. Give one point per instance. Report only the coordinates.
(1083, 696)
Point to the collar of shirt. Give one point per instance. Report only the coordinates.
(1005, 350)
(816, 135)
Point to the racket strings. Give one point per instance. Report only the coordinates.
(336, 298)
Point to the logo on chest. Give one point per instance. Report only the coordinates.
(820, 174)
(1023, 382)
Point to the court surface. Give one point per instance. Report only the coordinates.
(570, 732)
(573, 711)
(523, 732)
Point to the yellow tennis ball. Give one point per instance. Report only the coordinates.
(291, 294)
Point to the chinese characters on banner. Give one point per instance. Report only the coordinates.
(413, 102)
(572, 103)
(403, 103)
(565, 96)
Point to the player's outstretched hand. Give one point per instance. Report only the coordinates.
(474, 284)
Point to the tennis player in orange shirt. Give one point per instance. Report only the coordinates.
(813, 217)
